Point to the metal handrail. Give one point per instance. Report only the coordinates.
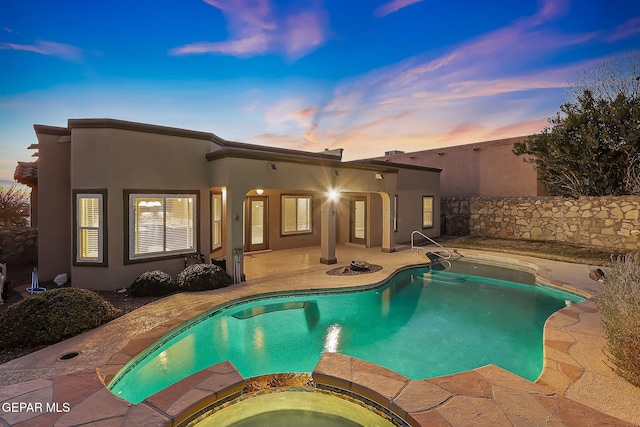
(413, 247)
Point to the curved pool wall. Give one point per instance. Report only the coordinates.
(395, 300)
(303, 406)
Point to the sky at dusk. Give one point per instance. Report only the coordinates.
(364, 75)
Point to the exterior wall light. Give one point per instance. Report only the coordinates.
(273, 166)
(260, 191)
(379, 176)
(333, 195)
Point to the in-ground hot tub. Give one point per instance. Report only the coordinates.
(297, 406)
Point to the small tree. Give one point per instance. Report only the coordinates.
(592, 147)
(14, 207)
(610, 78)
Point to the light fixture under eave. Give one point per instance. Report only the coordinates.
(273, 166)
(260, 191)
(333, 195)
(379, 176)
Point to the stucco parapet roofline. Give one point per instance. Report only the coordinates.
(300, 157)
(141, 127)
(331, 155)
(51, 130)
(383, 163)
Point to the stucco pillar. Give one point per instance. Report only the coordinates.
(234, 223)
(388, 235)
(328, 232)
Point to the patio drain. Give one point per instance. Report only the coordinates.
(69, 355)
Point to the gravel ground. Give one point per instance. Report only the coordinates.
(19, 276)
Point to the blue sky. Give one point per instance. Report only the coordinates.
(364, 75)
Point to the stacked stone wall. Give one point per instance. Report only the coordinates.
(612, 222)
(455, 216)
(19, 245)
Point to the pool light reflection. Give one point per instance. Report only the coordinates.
(332, 339)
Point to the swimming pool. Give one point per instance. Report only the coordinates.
(420, 323)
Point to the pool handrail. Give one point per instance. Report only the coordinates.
(417, 249)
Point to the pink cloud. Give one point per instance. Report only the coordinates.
(392, 6)
(304, 33)
(256, 44)
(527, 127)
(627, 29)
(549, 10)
(44, 47)
(256, 29)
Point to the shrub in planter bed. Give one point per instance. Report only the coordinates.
(619, 303)
(202, 277)
(153, 284)
(53, 316)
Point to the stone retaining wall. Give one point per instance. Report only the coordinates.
(19, 245)
(612, 222)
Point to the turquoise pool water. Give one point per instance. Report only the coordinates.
(419, 323)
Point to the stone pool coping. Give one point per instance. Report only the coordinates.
(484, 395)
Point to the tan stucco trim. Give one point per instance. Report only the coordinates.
(276, 155)
(50, 130)
(140, 127)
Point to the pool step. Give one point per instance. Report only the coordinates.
(441, 277)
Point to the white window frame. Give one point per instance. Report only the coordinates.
(395, 213)
(162, 253)
(79, 259)
(309, 214)
(216, 221)
(427, 223)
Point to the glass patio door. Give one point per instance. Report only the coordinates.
(256, 224)
(358, 219)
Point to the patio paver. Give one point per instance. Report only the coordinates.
(575, 388)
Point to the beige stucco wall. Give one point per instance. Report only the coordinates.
(118, 159)
(232, 173)
(485, 169)
(412, 185)
(115, 157)
(54, 203)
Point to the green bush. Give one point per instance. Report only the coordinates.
(619, 303)
(153, 284)
(53, 316)
(202, 277)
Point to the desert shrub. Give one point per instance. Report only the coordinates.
(153, 284)
(53, 316)
(202, 277)
(619, 303)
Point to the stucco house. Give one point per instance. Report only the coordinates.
(479, 169)
(118, 198)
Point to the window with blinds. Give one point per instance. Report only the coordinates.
(216, 221)
(161, 224)
(296, 214)
(427, 211)
(89, 228)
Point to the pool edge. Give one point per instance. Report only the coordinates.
(548, 383)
